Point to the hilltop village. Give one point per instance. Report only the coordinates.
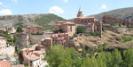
(27, 45)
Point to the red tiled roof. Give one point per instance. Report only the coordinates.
(5, 63)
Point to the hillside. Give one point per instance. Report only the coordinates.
(44, 20)
(118, 13)
(47, 20)
(110, 38)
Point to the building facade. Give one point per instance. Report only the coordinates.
(22, 40)
(65, 27)
(3, 42)
(90, 23)
(33, 30)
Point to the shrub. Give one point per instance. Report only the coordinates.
(58, 56)
(93, 33)
(126, 38)
(81, 29)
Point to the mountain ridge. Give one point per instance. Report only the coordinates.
(121, 13)
(29, 19)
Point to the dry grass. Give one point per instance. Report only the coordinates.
(108, 37)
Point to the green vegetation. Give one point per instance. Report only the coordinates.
(81, 29)
(19, 27)
(10, 38)
(116, 25)
(93, 33)
(46, 21)
(126, 38)
(58, 56)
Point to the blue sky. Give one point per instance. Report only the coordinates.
(63, 8)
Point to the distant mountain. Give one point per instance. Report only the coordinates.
(44, 20)
(118, 13)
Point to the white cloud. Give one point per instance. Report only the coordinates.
(104, 6)
(1, 3)
(15, 1)
(5, 12)
(56, 10)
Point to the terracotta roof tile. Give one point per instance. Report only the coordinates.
(5, 63)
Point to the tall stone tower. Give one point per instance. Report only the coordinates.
(80, 13)
(22, 40)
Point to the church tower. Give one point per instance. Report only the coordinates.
(80, 13)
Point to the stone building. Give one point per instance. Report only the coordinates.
(91, 23)
(33, 30)
(3, 42)
(60, 38)
(69, 26)
(6, 50)
(65, 27)
(46, 42)
(55, 39)
(33, 57)
(22, 40)
(64, 30)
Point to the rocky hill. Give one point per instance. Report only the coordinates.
(44, 20)
(109, 38)
(118, 13)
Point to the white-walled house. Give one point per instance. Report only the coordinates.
(33, 57)
(3, 43)
(39, 63)
(4, 49)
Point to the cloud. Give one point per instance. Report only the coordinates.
(104, 6)
(56, 10)
(1, 3)
(15, 1)
(5, 12)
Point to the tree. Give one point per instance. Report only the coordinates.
(116, 58)
(101, 59)
(128, 58)
(10, 38)
(89, 62)
(19, 27)
(58, 56)
(81, 29)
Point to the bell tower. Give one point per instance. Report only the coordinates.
(80, 13)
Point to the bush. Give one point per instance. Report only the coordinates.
(81, 29)
(93, 33)
(126, 38)
(58, 56)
